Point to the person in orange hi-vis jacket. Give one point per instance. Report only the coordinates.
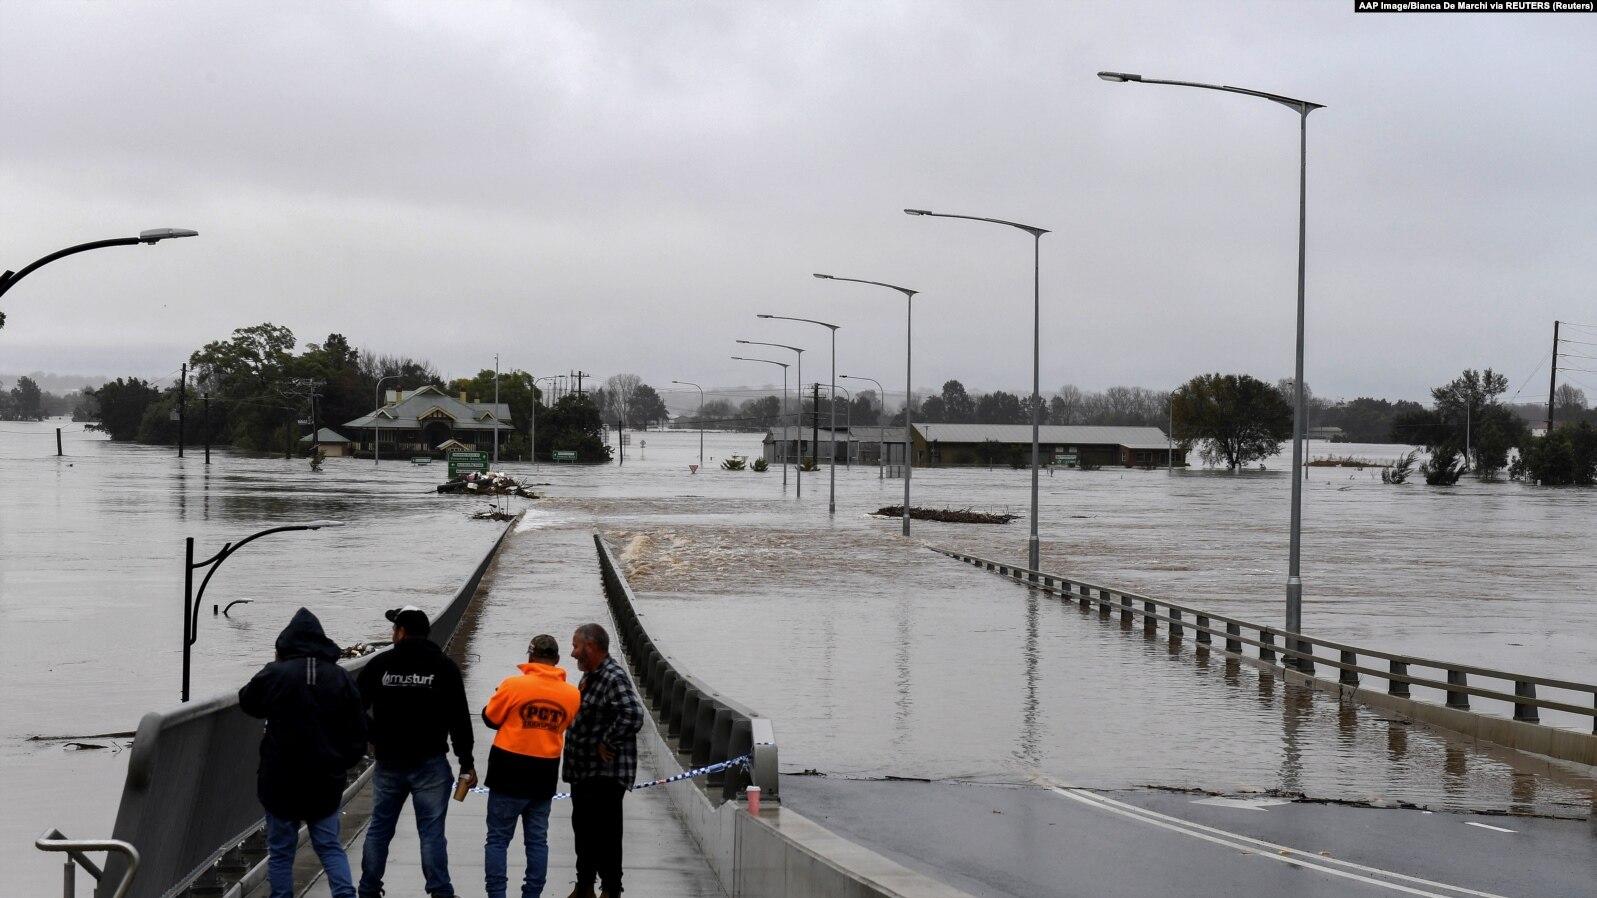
(531, 712)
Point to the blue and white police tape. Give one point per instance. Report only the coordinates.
(740, 761)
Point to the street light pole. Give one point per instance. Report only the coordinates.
(191, 599)
(848, 425)
(784, 406)
(1033, 546)
(909, 387)
(1294, 580)
(701, 417)
(831, 464)
(798, 425)
(881, 431)
(496, 409)
(532, 426)
(377, 403)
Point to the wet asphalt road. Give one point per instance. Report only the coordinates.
(1007, 840)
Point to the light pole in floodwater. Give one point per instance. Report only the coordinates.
(881, 433)
(831, 464)
(191, 599)
(1033, 553)
(784, 406)
(377, 405)
(701, 417)
(798, 425)
(532, 426)
(909, 388)
(1294, 581)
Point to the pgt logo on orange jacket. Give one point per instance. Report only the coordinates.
(541, 714)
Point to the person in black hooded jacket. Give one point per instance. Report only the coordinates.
(315, 732)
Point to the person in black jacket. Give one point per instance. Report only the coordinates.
(315, 732)
(417, 701)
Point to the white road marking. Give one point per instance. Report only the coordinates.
(1272, 850)
(1487, 826)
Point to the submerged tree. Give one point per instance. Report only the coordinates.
(1565, 457)
(1444, 467)
(1237, 418)
(1400, 469)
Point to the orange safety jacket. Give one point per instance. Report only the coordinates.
(532, 711)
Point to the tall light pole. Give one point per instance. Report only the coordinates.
(881, 433)
(9, 279)
(848, 425)
(784, 406)
(191, 599)
(798, 425)
(1294, 581)
(909, 387)
(701, 417)
(831, 463)
(1033, 554)
(496, 408)
(377, 404)
(532, 426)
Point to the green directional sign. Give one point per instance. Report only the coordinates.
(563, 455)
(461, 462)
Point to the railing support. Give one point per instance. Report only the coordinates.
(1203, 636)
(1397, 684)
(1267, 651)
(1458, 700)
(53, 840)
(1232, 643)
(1125, 605)
(1349, 677)
(1175, 625)
(1526, 712)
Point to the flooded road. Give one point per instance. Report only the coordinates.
(875, 656)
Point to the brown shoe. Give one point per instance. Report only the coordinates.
(582, 891)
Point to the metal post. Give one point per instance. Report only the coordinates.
(182, 400)
(909, 404)
(206, 425)
(815, 423)
(831, 464)
(1170, 438)
(1034, 550)
(496, 408)
(188, 605)
(1552, 382)
(58, 442)
(1294, 580)
(784, 429)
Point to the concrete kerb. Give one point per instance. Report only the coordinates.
(777, 853)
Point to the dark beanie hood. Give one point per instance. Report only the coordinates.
(303, 638)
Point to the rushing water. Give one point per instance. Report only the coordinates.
(875, 656)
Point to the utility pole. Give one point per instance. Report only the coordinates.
(206, 426)
(815, 429)
(580, 375)
(182, 399)
(621, 447)
(1170, 440)
(1552, 383)
(314, 434)
(496, 409)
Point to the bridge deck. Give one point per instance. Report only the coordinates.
(544, 582)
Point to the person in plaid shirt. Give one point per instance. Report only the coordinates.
(601, 760)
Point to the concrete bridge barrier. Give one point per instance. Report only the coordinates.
(776, 853)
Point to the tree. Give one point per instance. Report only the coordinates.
(646, 408)
(1238, 418)
(999, 407)
(865, 410)
(122, 404)
(619, 392)
(573, 425)
(27, 402)
(957, 406)
(758, 414)
(932, 410)
(1565, 457)
(1493, 434)
(1444, 467)
(1569, 403)
(516, 390)
(1066, 406)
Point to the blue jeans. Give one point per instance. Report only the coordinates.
(282, 840)
(427, 785)
(503, 812)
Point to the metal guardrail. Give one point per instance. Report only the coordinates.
(706, 725)
(188, 803)
(74, 848)
(1300, 652)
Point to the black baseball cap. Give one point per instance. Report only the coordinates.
(411, 619)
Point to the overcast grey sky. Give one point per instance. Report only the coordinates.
(622, 186)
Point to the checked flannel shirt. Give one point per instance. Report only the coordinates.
(611, 713)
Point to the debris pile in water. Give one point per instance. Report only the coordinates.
(491, 483)
(948, 515)
(360, 649)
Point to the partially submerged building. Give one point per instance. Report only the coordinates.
(420, 422)
(861, 446)
(969, 445)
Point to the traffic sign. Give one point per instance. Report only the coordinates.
(467, 461)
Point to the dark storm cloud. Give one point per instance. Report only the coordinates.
(622, 186)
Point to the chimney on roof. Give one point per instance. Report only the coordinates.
(463, 396)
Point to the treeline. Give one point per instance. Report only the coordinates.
(254, 391)
(27, 402)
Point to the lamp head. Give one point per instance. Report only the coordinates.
(317, 525)
(824, 277)
(155, 234)
(1119, 77)
(916, 212)
(764, 316)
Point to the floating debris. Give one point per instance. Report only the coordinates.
(361, 649)
(948, 515)
(493, 514)
(490, 483)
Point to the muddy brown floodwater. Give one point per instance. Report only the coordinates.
(874, 655)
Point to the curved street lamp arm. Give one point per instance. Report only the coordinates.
(908, 293)
(777, 345)
(805, 320)
(739, 358)
(215, 563)
(1303, 107)
(11, 277)
(1035, 232)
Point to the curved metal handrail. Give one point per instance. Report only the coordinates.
(53, 840)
